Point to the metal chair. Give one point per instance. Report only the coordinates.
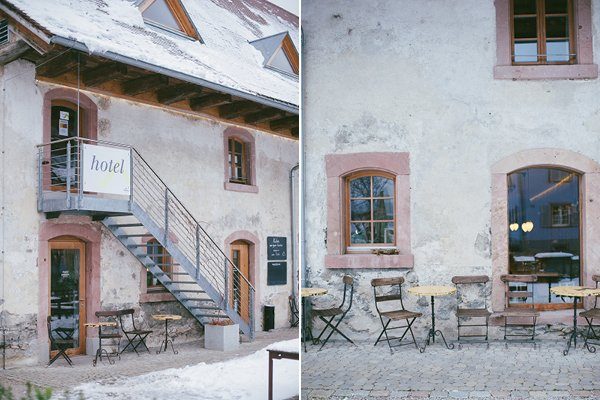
(589, 316)
(465, 312)
(294, 313)
(523, 311)
(60, 344)
(390, 290)
(336, 311)
(132, 332)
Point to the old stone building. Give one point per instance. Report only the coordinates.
(447, 138)
(149, 153)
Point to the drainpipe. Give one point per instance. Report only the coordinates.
(294, 230)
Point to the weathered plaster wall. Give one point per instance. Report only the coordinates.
(417, 77)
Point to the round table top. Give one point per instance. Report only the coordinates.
(98, 324)
(432, 290)
(312, 291)
(575, 291)
(164, 317)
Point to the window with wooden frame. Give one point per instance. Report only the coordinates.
(238, 161)
(163, 260)
(370, 205)
(285, 58)
(169, 15)
(542, 32)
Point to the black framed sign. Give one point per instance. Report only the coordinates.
(276, 248)
(277, 273)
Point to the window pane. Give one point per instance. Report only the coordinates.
(383, 187)
(558, 51)
(281, 62)
(557, 6)
(160, 12)
(383, 232)
(239, 147)
(360, 233)
(525, 28)
(524, 7)
(360, 210)
(526, 52)
(360, 187)
(557, 27)
(383, 209)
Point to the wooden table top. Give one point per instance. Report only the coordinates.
(312, 291)
(432, 290)
(98, 324)
(575, 291)
(163, 317)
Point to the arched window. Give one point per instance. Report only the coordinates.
(370, 216)
(238, 161)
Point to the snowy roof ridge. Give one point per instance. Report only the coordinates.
(227, 59)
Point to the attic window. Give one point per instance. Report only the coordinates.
(279, 53)
(3, 31)
(281, 62)
(168, 15)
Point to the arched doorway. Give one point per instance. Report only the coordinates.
(544, 231)
(67, 292)
(239, 298)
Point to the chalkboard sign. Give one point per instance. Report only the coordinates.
(277, 273)
(276, 248)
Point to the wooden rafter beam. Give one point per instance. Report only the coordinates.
(60, 65)
(284, 123)
(263, 115)
(173, 94)
(12, 51)
(295, 132)
(144, 84)
(234, 110)
(210, 100)
(104, 73)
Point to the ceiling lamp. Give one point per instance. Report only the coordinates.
(514, 226)
(527, 226)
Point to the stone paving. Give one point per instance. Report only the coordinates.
(60, 377)
(343, 371)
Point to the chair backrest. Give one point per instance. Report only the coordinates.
(524, 294)
(463, 281)
(387, 289)
(112, 316)
(348, 286)
(123, 315)
(596, 278)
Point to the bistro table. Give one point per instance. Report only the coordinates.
(575, 292)
(166, 318)
(99, 325)
(305, 293)
(433, 291)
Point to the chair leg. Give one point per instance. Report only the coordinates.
(335, 329)
(327, 324)
(412, 334)
(383, 331)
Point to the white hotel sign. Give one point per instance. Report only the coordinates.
(106, 170)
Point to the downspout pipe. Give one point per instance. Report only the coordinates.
(294, 230)
(59, 40)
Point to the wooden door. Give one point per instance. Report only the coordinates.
(239, 290)
(67, 293)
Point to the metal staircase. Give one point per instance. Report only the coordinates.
(196, 271)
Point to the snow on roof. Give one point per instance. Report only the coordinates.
(524, 258)
(226, 26)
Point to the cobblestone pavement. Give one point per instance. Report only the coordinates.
(343, 371)
(60, 377)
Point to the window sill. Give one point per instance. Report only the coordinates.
(240, 187)
(369, 261)
(525, 72)
(155, 297)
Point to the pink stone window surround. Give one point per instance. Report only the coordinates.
(584, 68)
(338, 168)
(250, 147)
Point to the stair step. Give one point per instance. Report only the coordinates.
(171, 273)
(212, 316)
(135, 235)
(204, 308)
(124, 225)
(147, 245)
(182, 282)
(188, 291)
(207, 300)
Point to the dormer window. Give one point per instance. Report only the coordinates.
(279, 53)
(168, 15)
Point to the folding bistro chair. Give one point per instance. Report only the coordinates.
(132, 332)
(334, 312)
(294, 313)
(59, 344)
(522, 311)
(589, 316)
(467, 310)
(108, 335)
(388, 290)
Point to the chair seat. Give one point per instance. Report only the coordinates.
(138, 332)
(400, 314)
(327, 312)
(520, 312)
(593, 313)
(111, 336)
(473, 312)
(63, 341)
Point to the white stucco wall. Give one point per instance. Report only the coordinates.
(187, 153)
(417, 77)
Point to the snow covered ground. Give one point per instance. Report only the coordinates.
(240, 378)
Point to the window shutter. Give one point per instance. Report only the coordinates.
(3, 31)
